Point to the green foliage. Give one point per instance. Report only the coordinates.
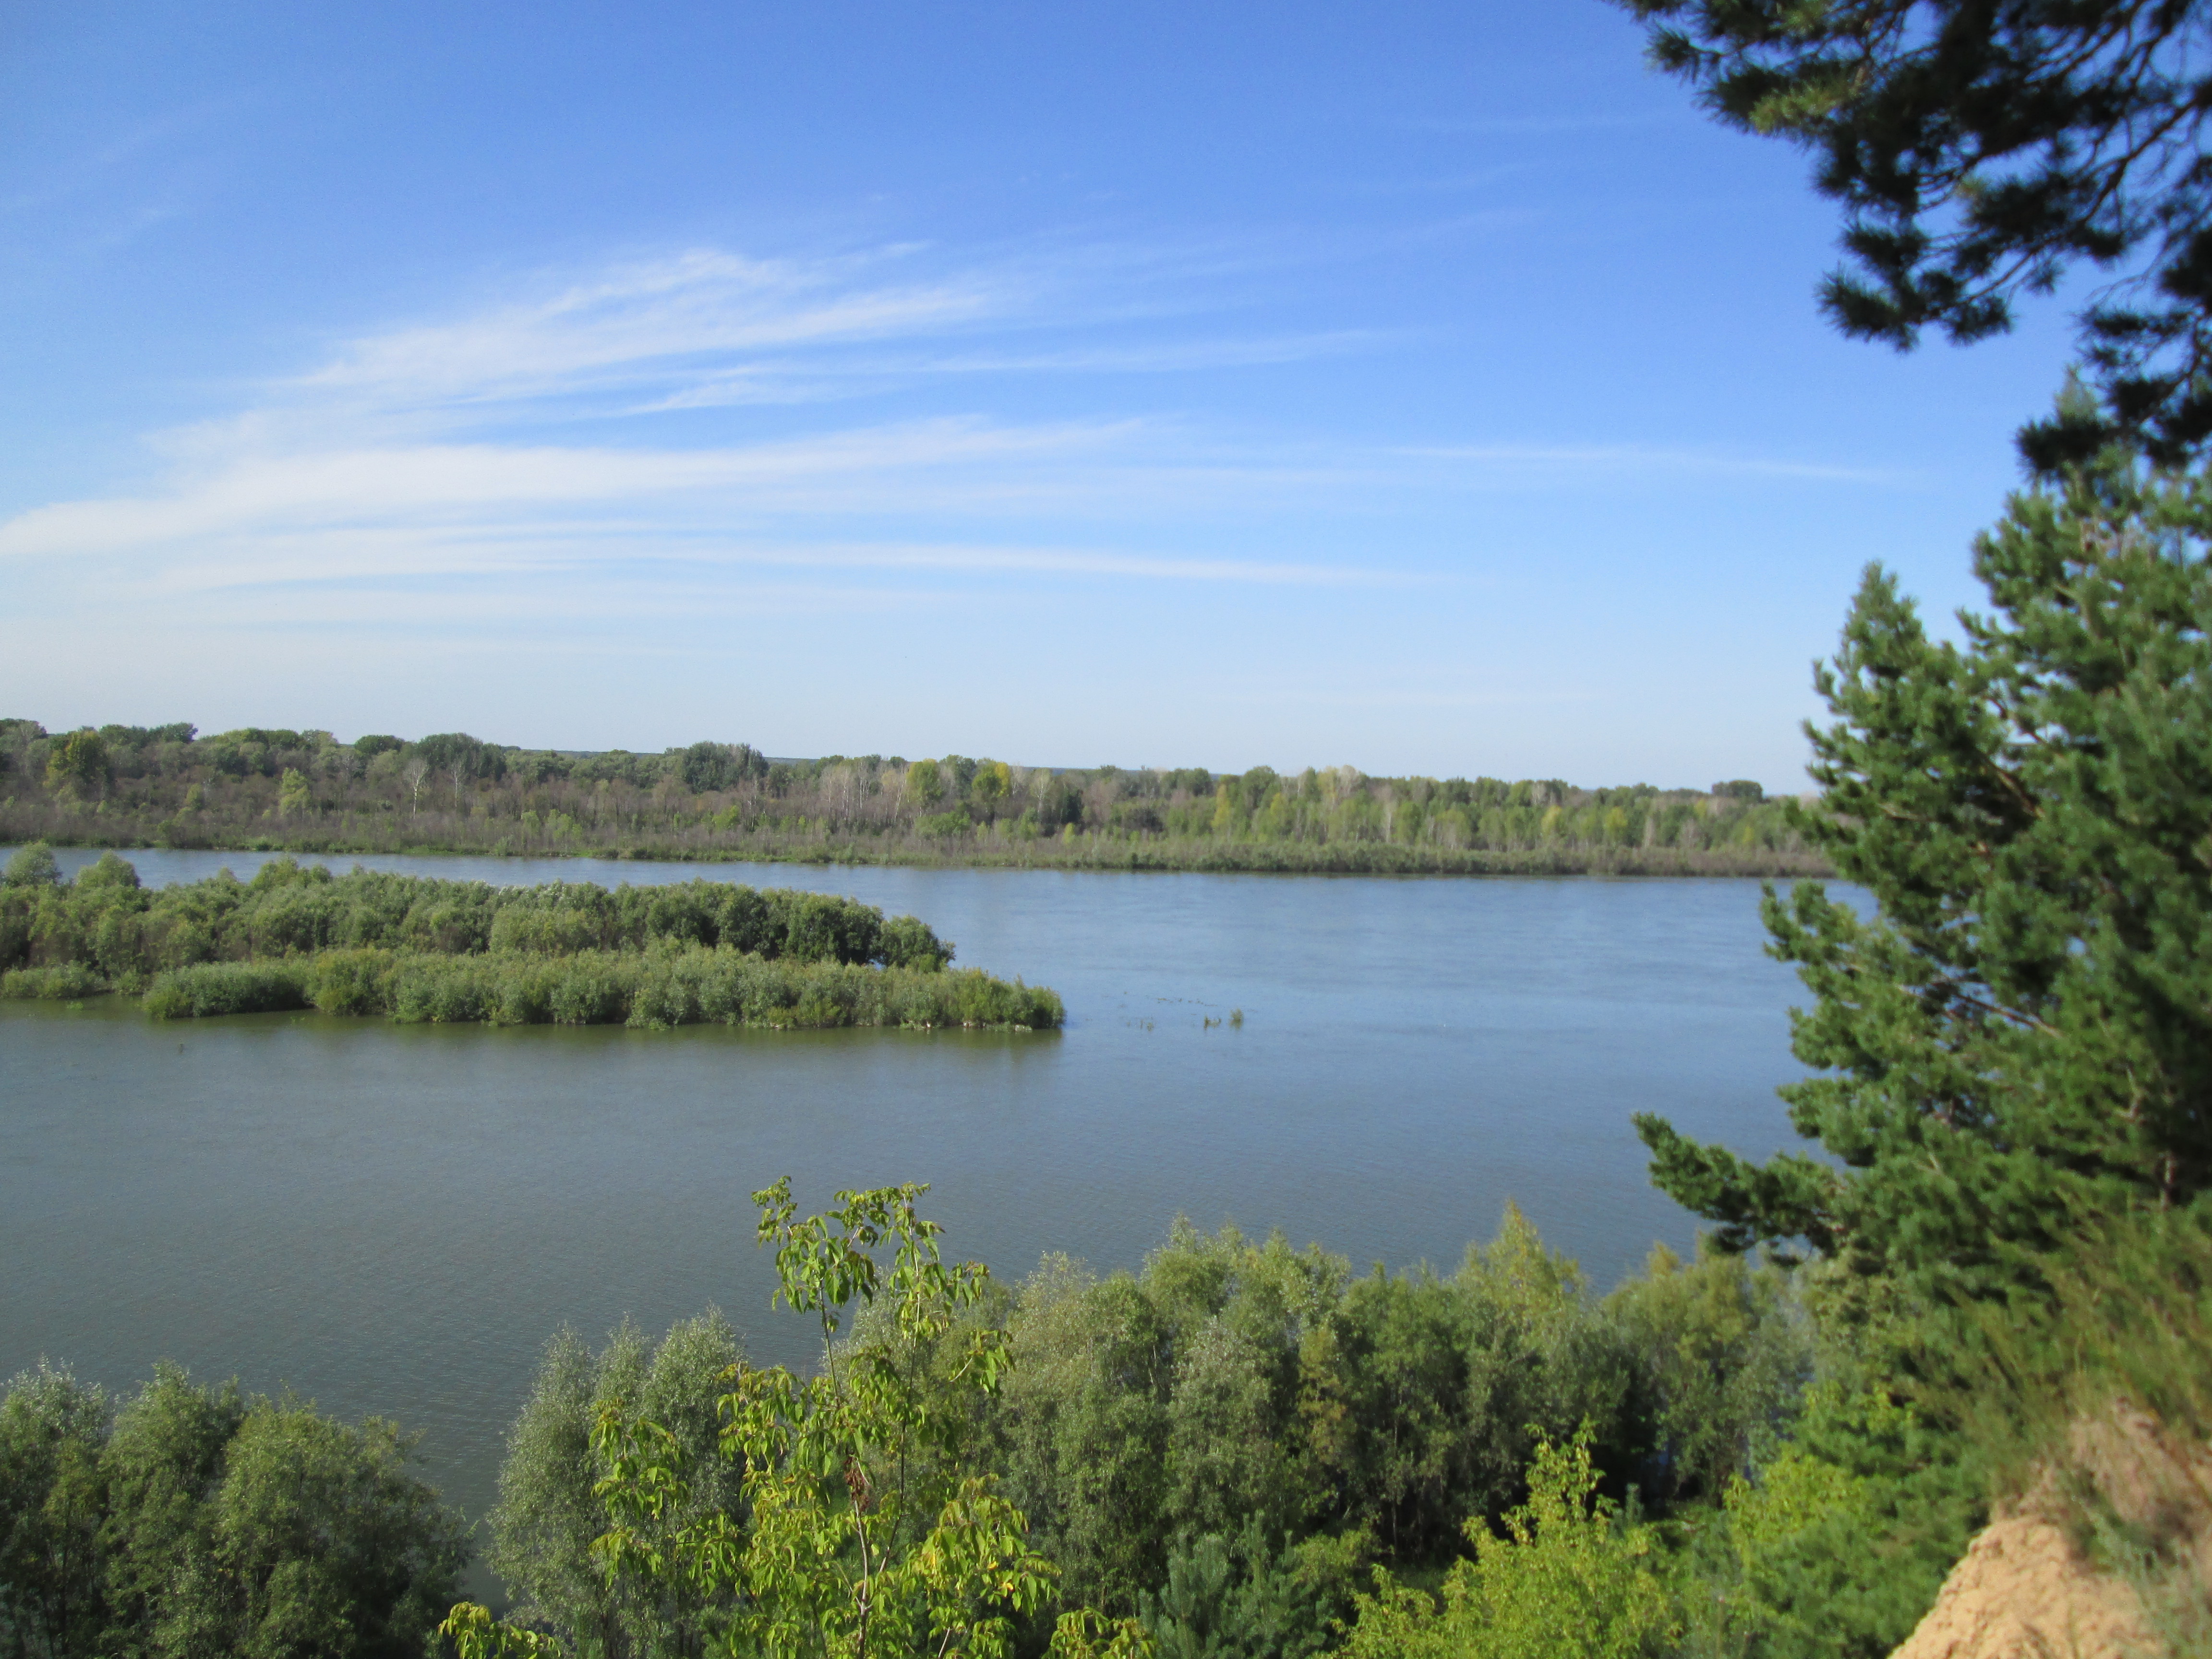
(852, 1539)
(197, 1521)
(1567, 1580)
(106, 918)
(2094, 1405)
(2010, 1061)
(2128, 1323)
(2021, 1036)
(1238, 1598)
(108, 871)
(988, 789)
(228, 988)
(1308, 1420)
(303, 790)
(293, 795)
(1980, 150)
(66, 983)
(945, 826)
(33, 867)
(550, 1513)
(1085, 1633)
(52, 1431)
(79, 763)
(705, 767)
(906, 942)
(650, 989)
(423, 949)
(1838, 1544)
(1722, 1353)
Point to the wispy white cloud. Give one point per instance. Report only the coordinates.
(584, 450)
(1622, 459)
(708, 327)
(654, 320)
(404, 561)
(480, 483)
(771, 380)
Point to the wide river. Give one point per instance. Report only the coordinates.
(392, 1219)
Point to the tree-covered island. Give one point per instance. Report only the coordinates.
(417, 949)
(305, 791)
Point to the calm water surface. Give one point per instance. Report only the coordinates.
(393, 1219)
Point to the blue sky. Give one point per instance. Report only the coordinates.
(1426, 388)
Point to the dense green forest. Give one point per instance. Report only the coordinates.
(305, 791)
(419, 949)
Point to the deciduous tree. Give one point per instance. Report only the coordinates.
(855, 1539)
(79, 764)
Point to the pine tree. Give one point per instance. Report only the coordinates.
(1980, 147)
(2019, 1037)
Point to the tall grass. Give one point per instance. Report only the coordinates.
(650, 989)
(228, 988)
(64, 983)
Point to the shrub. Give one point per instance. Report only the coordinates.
(589, 988)
(655, 989)
(228, 988)
(945, 826)
(32, 866)
(198, 1520)
(62, 984)
(351, 982)
(549, 929)
(550, 1512)
(429, 988)
(1564, 1581)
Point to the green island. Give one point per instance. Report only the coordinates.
(417, 950)
(268, 790)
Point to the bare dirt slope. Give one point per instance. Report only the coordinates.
(2023, 1592)
(2029, 1590)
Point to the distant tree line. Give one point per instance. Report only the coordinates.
(265, 788)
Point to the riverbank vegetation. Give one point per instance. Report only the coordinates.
(1239, 1449)
(308, 792)
(1220, 1448)
(416, 949)
(185, 1519)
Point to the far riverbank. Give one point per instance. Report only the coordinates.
(439, 835)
